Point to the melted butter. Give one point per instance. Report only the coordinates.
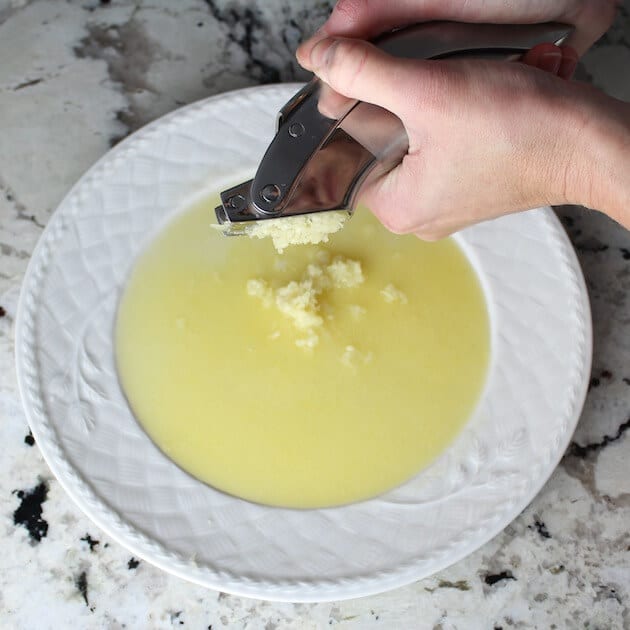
(217, 381)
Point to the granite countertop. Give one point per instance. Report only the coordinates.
(75, 78)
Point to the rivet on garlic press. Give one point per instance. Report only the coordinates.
(271, 193)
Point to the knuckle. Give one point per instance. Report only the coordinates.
(396, 203)
(436, 86)
(347, 60)
(611, 7)
(430, 234)
(332, 104)
(442, 85)
(603, 10)
(593, 17)
(352, 10)
(396, 220)
(401, 218)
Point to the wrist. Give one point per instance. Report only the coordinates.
(597, 174)
(612, 189)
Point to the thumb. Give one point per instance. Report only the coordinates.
(359, 70)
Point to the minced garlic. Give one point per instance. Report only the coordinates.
(300, 300)
(260, 289)
(351, 357)
(392, 294)
(300, 229)
(357, 311)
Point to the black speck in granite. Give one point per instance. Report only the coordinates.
(576, 450)
(606, 591)
(607, 374)
(541, 528)
(625, 253)
(26, 84)
(2, 312)
(594, 382)
(460, 585)
(571, 226)
(175, 618)
(133, 563)
(492, 578)
(114, 140)
(21, 209)
(29, 439)
(90, 542)
(245, 28)
(626, 380)
(591, 245)
(128, 52)
(29, 512)
(82, 586)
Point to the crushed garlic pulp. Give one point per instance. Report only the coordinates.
(301, 229)
(300, 300)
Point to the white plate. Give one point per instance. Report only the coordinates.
(541, 349)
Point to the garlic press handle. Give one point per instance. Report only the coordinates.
(319, 158)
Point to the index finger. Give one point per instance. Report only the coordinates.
(364, 19)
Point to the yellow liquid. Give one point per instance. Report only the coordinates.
(245, 410)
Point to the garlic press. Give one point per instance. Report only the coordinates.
(326, 148)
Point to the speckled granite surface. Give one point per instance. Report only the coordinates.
(75, 77)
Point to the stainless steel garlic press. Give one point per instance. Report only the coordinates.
(323, 153)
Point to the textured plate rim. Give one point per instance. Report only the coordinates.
(291, 590)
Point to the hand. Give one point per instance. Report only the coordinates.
(485, 138)
(364, 19)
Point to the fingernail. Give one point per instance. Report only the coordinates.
(550, 61)
(570, 59)
(532, 57)
(321, 52)
(567, 68)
